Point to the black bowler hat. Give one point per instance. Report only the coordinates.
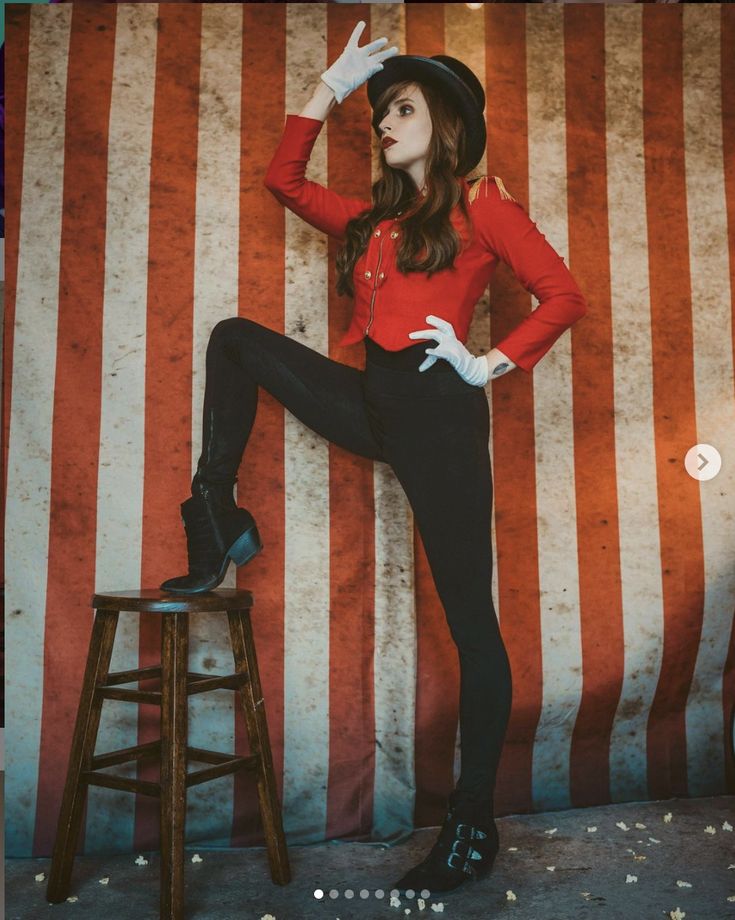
(453, 78)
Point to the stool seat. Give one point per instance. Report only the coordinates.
(153, 600)
(171, 750)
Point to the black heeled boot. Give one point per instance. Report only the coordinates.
(217, 531)
(465, 849)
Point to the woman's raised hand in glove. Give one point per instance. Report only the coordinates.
(471, 369)
(356, 65)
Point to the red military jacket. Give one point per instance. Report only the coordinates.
(388, 305)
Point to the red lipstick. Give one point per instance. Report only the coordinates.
(387, 141)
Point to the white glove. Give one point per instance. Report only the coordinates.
(471, 369)
(355, 65)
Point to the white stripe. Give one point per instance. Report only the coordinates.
(30, 437)
(395, 654)
(307, 552)
(713, 387)
(552, 380)
(111, 813)
(216, 272)
(465, 40)
(635, 460)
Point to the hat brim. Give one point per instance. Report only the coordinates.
(404, 67)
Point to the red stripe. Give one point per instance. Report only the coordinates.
(437, 679)
(673, 388)
(352, 536)
(76, 418)
(261, 480)
(425, 29)
(598, 536)
(17, 27)
(514, 448)
(169, 344)
(727, 57)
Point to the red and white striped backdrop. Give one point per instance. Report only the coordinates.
(138, 138)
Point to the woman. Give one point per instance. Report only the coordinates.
(422, 251)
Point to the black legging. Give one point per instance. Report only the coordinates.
(432, 428)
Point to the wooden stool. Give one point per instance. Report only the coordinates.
(171, 749)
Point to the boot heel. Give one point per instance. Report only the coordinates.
(245, 547)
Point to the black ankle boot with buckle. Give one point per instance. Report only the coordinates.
(465, 849)
(217, 531)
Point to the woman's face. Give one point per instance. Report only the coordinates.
(408, 123)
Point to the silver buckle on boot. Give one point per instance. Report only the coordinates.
(463, 861)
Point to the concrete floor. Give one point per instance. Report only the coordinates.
(588, 881)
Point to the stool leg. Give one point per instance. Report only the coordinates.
(174, 734)
(80, 758)
(251, 696)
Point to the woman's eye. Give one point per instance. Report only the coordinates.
(404, 107)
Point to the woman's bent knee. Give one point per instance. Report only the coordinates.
(231, 326)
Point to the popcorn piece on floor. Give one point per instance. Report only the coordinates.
(630, 879)
(653, 840)
(105, 880)
(512, 849)
(710, 830)
(677, 914)
(551, 868)
(683, 884)
(439, 908)
(641, 827)
(267, 917)
(591, 830)
(41, 876)
(667, 820)
(141, 861)
(394, 901)
(726, 826)
(639, 858)
(196, 858)
(731, 866)
(622, 825)
(731, 897)
(509, 896)
(551, 830)
(421, 903)
(628, 850)
(407, 910)
(586, 895)
(72, 899)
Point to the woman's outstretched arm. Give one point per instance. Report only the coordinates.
(321, 103)
(286, 176)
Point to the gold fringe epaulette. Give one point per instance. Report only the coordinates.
(475, 190)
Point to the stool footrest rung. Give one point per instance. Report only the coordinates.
(195, 683)
(111, 781)
(125, 677)
(125, 755)
(222, 765)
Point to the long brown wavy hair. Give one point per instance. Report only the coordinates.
(426, 225)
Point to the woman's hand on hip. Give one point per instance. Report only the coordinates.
(471, 369)
(356, 65)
